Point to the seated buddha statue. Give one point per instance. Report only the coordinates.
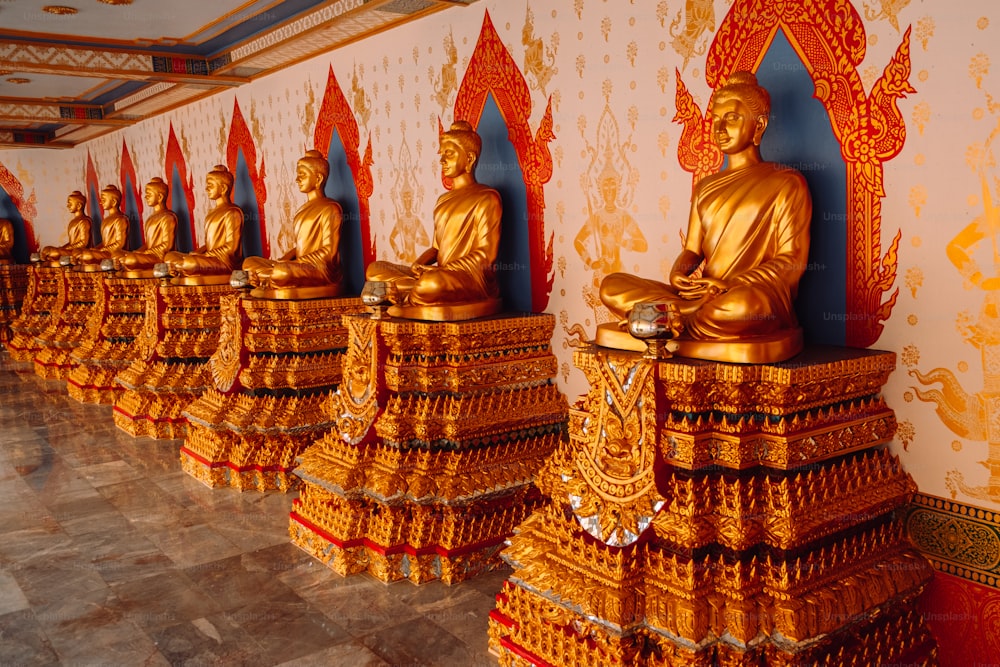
(77, 231)
(159, 232)
(6, 241)
(731, 289)
(454, 279)
(312, 268)
(114, 230)
(213, 262)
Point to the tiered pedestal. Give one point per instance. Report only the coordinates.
(13, 287)
(441, 427)
(79, 293)
(108, 346)
(708, 514)
(275, 368)
(179, 334)
(40, 300)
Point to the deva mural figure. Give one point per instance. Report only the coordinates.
(455, 278)
(161, 226)
(731, 290)
(77, 231)
(311, 269)
(213, 262)
(114, 229)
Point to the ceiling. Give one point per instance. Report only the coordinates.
(73, 71)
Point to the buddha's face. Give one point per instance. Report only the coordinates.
(306, 179)
(213, 188)
(73, 205)
(152, 196)
(734, 126)
(454, 160)
(108, 201)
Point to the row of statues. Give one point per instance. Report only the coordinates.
(730, 292)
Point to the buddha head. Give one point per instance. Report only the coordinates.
(75, 202)
(111, 197)
(219, 182)
(740, 110)
(460, 149)
(156, 191)
(312, 170)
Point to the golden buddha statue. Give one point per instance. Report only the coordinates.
(77, 231)
(114, 230)
(213, 262)
(732, 287)
(311, 269)
(6, 241)
(454, 279)
(160, 228)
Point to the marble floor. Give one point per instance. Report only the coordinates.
(110, 555)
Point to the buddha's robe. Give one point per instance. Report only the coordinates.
(114, 236)
(160, 230)
(754, 226)
(222, 251)
(467, 239)
(316, 258)
(78, 233)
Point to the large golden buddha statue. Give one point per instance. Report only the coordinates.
(6, 241)
(114, 230)
(160, 228)
(732, 287)
(213, 262)
(312, 268)
(77, 231)
(454, 279)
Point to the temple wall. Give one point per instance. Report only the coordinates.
(609, 70)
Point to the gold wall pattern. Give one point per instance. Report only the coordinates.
(957, 538)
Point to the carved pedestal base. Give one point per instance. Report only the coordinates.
(40, 299)
(80, 291)
(179, 334)
(713, 514)
(440, 428)
(108, 346)
(13, 287)
(275, 368)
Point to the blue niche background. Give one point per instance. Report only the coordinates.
(800, 135)
(245, 197)
(178, 204)
(499, 168)
(341, 188)
(131, 210)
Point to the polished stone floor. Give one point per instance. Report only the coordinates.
(110, 555)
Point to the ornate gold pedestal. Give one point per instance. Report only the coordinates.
(40, 300)
(180, 332)
(275, 368)
(13, 287)
(440, 428)
(79, 292)
(107, 347)
(717, 514)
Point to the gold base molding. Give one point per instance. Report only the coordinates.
(180, 332)
(79, 292)
(705, 513)
(13, 287)
(107, 347)
(40, 299)
(439, 430)
(274, 371)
